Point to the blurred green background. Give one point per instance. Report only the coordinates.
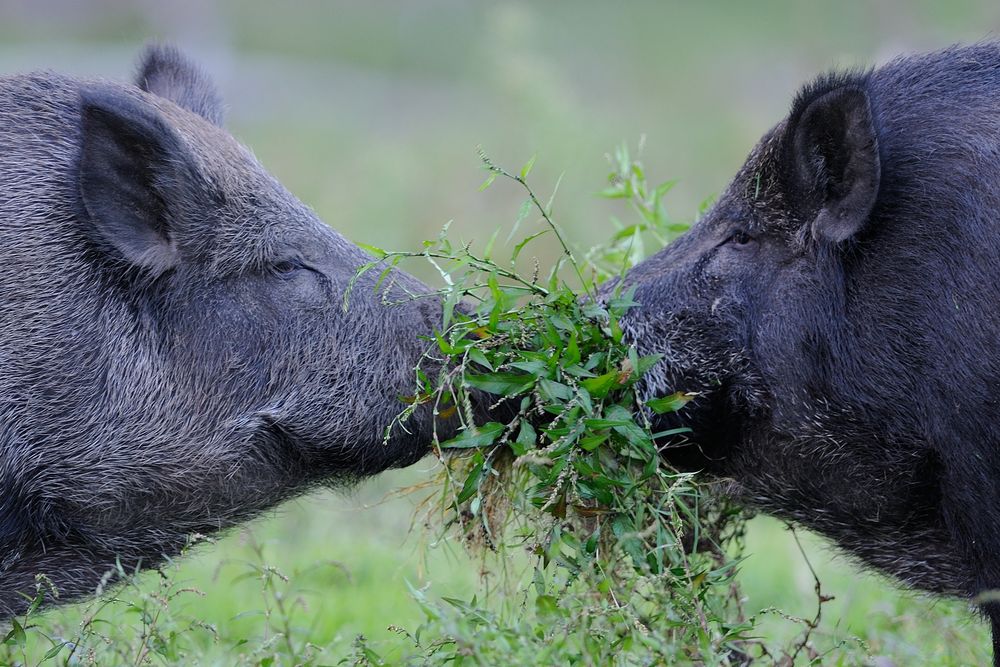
(371, 113)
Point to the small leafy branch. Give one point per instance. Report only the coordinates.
(652, 224)
(564, 462)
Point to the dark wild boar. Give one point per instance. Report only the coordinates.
(837, 310)
(174, 354)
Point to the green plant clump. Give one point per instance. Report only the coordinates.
(605, 554)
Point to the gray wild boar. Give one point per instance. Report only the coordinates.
(837, 311)
(174, 354)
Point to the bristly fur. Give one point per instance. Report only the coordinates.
(823, 84)
(174, 354)
(166, 72)
(848, 354)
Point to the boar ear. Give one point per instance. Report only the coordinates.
(134, 172)
(834, 161)
(166, 72)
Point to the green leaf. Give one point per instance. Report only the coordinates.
(526, 169)
(598, 424)
(373, 250)
(626, 425)
(489, 181)
(562, 322)
(572, 353)
(472, 482)
(35, 604)
(552, 197)
(643, 364)
(625, 233)
(528, 239)
(16, 636)
(517, 224)
(616, 331)
(526, 439)
(671, 403)
(554, 391)
(601, 385)
(362, 270)
(589, 491)
(534, 367)
(477, 356)
(664, 188)
(523, 212)
(546, 605)
(614, 192)
(672, 431)
(54, 651)
(484, 436)
(443, 345)
(592, 442)
(501, 384)
(488, 252)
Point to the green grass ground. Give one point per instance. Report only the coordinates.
(350, 559)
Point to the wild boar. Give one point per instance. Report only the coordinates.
(174, 354)
(836, 312)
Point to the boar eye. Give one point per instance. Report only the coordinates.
(287, 267)
(739, 237)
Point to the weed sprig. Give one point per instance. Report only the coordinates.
(567, 469)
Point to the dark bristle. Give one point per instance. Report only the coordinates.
(165, 71)
(825, 83)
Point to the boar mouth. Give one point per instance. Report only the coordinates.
(307, 457)
(701, 435)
